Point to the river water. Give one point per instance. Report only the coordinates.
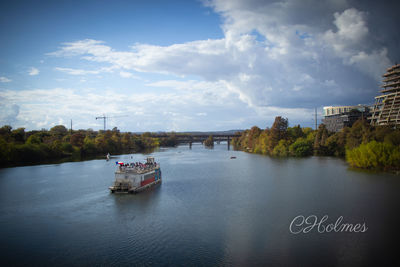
(209, 210)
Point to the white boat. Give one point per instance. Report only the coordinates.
(137, 176)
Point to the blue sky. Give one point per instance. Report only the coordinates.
(188, 65)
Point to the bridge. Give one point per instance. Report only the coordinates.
(199, 138)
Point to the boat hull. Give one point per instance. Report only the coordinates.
(133, 190)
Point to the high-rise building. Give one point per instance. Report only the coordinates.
(386, 110)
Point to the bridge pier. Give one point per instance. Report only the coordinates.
(190, 145)
(229, 142)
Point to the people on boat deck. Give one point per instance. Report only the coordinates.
(138, 165)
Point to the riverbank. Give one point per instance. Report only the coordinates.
(18, 147)
(362, 146)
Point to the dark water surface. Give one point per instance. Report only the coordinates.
(209, 210)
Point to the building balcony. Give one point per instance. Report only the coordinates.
(387, 74)
(391, 79)
(393, 67)
(397, 83)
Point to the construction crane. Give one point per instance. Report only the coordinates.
(104, 117)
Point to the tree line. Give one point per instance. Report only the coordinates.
(19, 147)
(362, 145)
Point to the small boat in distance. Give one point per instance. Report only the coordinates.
(233, 157)
(135, 177)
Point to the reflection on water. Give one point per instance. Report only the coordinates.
(209, 210)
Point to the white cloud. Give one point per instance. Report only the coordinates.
(351, 26)
(242, 72)
(44, 108)
(9, 112)
(33, 71)
(5, 80)
(149, 58)
(80, 47)
(125, 74)
(350, 41)
(72, 71)
(297, 88)
(39, 108)
(293, 114)
(277, 56)
(76, 71)
(218, 87)
(283, 70)
(330, 83)
(371, 63)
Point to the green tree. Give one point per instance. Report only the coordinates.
(341, 142)
(277, 132)
(295, 132)
(59, 130)
(374, 155)
(380, 132)
(5, 131)
(126, 143)
(332, 146)
(282, 149)
(170, 140)
(77, 139)
(18, 135)
(146, 134)
(115, 142)
(242, 141)
(34, 139)
(307, 130)
(101, 144)
(137, 143)
(301, 148)
(263, 142)
(252, 137)
(320, 141)
(148, 141)
(359, 133)
(89, 147)
(4, 151)
(209, 142)
(393, 138)
(67, 148)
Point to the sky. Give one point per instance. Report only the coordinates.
(190, 65)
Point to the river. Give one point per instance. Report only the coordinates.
(210, 210)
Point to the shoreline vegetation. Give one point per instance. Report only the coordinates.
(362, 145)
(59, 144)
(209, 142)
